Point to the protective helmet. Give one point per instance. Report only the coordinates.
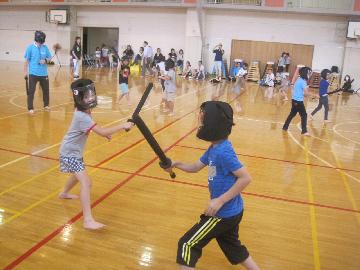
(84, 94)
(305, 72)
(40, 37)
(324, 73)
(215, 121)
(169, 63)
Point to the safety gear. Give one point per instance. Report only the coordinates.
(40, 37)
(84, 94)
(215, 121)
(169, 64)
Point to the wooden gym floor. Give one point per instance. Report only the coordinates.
(301, 209)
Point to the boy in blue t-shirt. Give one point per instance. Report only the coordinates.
(35, 69)
(323, 95)
(227, 178)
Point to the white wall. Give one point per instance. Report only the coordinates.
(326, 33)
(178, 28)
(17, 28)
(351, 62)
(161, 27)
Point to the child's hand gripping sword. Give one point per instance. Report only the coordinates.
(165, 162)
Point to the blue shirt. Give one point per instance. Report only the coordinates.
(218, 54)
(324, 85)
(34, 54)
(235, 71)
(299, 88)
(222, 161)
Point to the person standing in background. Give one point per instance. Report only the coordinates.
(219, 52)
(76, 56)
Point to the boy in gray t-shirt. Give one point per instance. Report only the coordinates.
(170, 87)
(72, 146)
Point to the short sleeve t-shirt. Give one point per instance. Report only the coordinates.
(170, 85)
(124, 74)
(76, 50)
(75, 139)
(323, 88)
(33, 55)
(222, 161)
(218, 54)
(299, 88)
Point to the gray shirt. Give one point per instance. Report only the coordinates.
(170, 85)
(75, 139)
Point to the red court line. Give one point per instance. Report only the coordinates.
(112, 156)
(49, 237)
(244, 193)
(281, 160)
(199, 185)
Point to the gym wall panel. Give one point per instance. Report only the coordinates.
(270, 51)
(325, 33)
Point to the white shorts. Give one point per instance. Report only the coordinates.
(169, 96)
(218, 67)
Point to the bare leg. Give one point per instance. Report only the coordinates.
(128, 99)
(183, 267)
(171, 106)
(250, 264)
(85, 182)
(119, 98)
(72, 181)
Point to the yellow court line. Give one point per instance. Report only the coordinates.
(314, 234)
(39, 111)
(92, 171)
(345, 179)
(86, 152)
(9, 210)
(108, 124)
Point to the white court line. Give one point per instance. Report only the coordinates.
(298, 143)
(315, 137)
(54, 145)
(39, 110)
(342, 136)
(24, 157)
(322, 160)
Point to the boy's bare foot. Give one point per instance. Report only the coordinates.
(93, 225)
(68, 196)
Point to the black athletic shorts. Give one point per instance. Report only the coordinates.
(224, 230)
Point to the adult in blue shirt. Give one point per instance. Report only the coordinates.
(219, 52)
(35, 68)
(301, 89)
(226, 179)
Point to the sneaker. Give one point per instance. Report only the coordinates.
(31, 112)
(47, 108)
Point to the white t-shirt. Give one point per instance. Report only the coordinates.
(170, 85)
(148, 52)
(161, 66)
(104, 52)
(241, 73)
(269, 80)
